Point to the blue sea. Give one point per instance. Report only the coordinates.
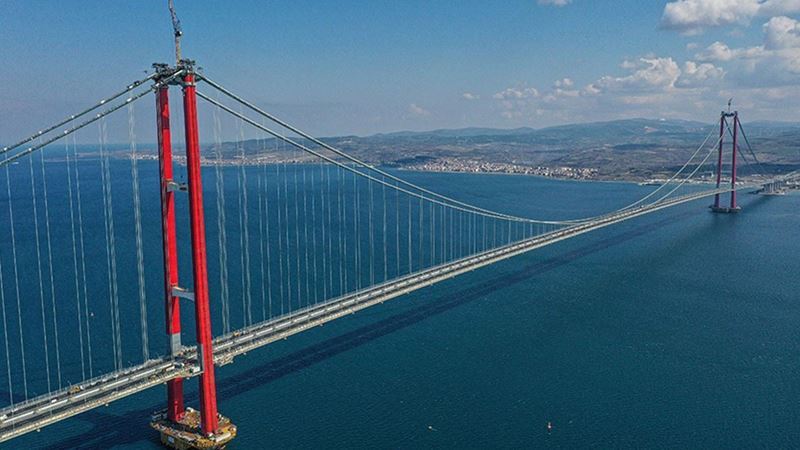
(680, 329)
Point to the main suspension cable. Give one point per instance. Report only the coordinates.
(71, 118)
(696, 169)
(354, 171)
(444, 199)
(87, 122)
(673, 176)
(750, 148)
(436, 198)
(664, 184)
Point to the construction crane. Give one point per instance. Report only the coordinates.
(176, 29)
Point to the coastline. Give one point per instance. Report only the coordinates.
(558, 173)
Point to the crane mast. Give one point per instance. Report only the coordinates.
(176, 29)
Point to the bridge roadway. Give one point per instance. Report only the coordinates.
(53, 407)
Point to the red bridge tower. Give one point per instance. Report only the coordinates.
(182, 427)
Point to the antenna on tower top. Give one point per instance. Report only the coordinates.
(176, 29)
(730, 100)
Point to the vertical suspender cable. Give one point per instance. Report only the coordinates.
(325, 248)
(329, 218)
(445, 232)
(342, 228)
(385, 249)
(39, 271)
(421, 255)
(82, 244)
(432, 224)
(371, 236)
(288, 242)
(297, 234)
(105, 228)
(314, 235)
(5, 335)
(137, 215)
(244, 237)
(50, 270)
(410, 264)
(357, 233)
(280, 235)
(357, 220)
(75, 259)
(16, 283)
(111, 251)
(260, 187)
(397, 231)
(305, 232)
(222, 235)
(268, 243)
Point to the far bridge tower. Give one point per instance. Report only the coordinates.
(723, 127)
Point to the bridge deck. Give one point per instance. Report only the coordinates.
(44, 410)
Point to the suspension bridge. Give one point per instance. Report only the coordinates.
(300, 233)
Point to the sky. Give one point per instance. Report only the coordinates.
(371, 66)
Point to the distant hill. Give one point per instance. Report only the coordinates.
(774, 124)
(458, 132)
(632, 148)
(614, 127)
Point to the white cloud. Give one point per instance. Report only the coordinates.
(558, 92)
(554, 2)
(470, 96)
(695, 75)
(517, 93)
(562, 88)
(648, 74)
(764, 79)
(649, 81)
(591, 89)
(650, 77)
(776, 61)
(720, 52)
(694, 16)
(564, 83)
(418, 110)
(781, 33)
(773, 7)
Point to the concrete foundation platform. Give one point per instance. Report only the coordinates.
(186, 435)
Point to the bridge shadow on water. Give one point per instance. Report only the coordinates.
(112, 429)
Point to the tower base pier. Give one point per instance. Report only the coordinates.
(185, 434)
(725, 209)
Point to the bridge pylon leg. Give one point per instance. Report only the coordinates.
(208, 390)
(175, 406)
(719, 156)
(734, 149)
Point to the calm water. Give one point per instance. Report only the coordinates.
(679, 329)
